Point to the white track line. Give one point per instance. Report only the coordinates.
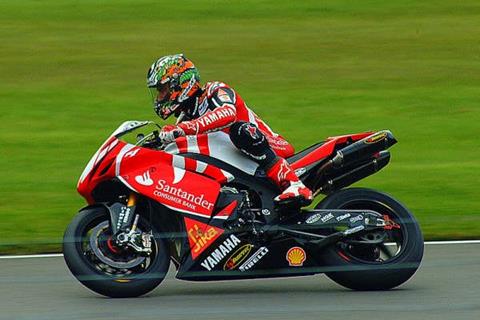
(55, 255)
(453, 242)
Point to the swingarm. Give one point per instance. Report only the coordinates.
(337, 225)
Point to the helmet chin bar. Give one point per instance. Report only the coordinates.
(165, 109)
(180, 117)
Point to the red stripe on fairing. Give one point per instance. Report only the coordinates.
(182, 144)
(344, 257)
(202, 142)
(320, 153)
(190, 164)
(327, 149)
(227, 211)
(215, 173)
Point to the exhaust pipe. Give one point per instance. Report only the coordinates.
(363, 149)
(369, 150)
(350, 177)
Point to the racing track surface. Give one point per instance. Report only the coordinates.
(445, 287)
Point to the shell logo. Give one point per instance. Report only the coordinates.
(296, 256)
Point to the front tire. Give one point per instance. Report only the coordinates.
(129, 275)
(362, 267)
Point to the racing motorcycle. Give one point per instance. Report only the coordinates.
(202, 205)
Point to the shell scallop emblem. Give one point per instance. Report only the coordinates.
(296, 256)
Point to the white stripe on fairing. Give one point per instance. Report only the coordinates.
(178, 162)
(201, 167)
(178, 168)
(188, 212)
(96, 157)
(192, 144)
(54, 255)
(126, 183)
(178, 175)
(221, 217)
(171, 148)
(228, 175)
(120, 155)
(223, 149)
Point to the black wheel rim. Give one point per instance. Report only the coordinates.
(90, 255)
(393, 241)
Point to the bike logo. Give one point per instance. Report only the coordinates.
(144, 179)
(343, 217)
(200, 236)
(296, 256)
(265, 212)
(221, 252)
(355, 219)
(314, 218)
(328, 217)
(377, 137)
(254, 258)
(238, 257)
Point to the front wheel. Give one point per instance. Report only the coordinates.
(378, 260)
(94, 260)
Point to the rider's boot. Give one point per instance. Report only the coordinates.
(293, 189)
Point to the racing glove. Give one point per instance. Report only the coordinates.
(170, 132)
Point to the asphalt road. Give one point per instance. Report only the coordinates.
(447, 286)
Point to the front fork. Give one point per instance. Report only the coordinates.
(124, 224)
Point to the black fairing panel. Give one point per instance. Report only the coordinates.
(263, 189)
(238, 256)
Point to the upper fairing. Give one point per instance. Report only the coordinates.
(216, 145)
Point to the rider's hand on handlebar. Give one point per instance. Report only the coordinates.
(170, 132)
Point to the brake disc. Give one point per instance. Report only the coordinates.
(94, 245)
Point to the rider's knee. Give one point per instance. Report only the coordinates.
(246, 135)
(250, 140)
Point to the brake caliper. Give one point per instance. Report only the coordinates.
(389, 223)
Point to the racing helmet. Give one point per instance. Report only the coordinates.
(171, 81)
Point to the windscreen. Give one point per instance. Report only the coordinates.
(134, 131)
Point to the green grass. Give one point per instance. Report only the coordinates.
(71, 71)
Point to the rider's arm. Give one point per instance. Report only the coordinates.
(217, 119)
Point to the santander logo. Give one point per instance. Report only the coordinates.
(144, 179)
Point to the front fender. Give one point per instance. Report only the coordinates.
(116, 211)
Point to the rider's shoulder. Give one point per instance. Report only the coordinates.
(220, 93)
(212, 87)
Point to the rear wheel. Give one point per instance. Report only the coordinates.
(96, 262)
(376, 260)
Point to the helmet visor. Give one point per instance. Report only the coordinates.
(162, 105)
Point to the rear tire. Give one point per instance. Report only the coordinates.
(360, 273)
(111, 282)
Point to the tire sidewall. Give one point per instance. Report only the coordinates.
(356, 275)
(99, 282)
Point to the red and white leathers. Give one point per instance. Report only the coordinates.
(282, 174)
(218, 107)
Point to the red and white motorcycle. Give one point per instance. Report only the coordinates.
(200, 203)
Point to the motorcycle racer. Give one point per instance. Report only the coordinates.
(174, 83)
